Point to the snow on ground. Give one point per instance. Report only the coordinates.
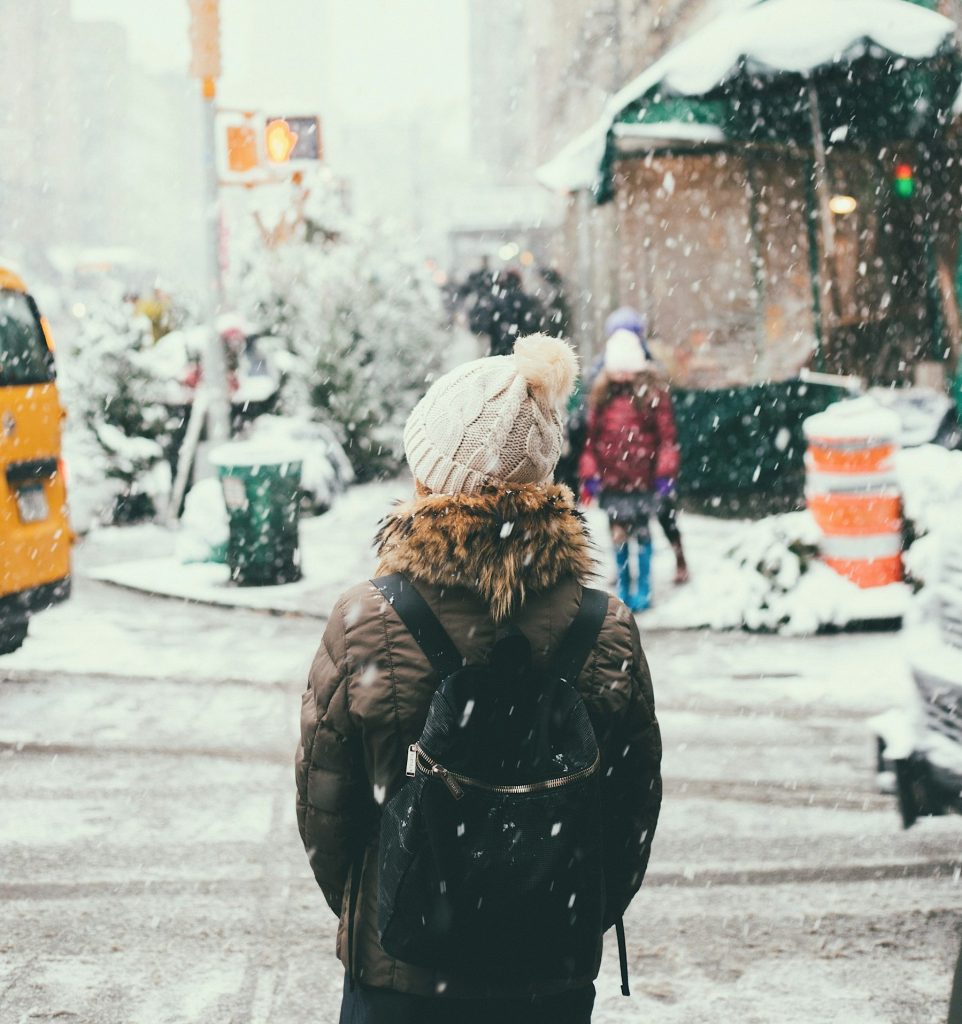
(766, 576)
(150, 816)
(761, 575)
(336, 552)
(727, 590)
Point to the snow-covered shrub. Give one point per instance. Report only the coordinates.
(361, 317)
(115, 400)
(774, 555)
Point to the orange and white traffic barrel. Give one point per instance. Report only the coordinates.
(852, 490)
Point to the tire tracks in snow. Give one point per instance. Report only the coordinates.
(934, 869)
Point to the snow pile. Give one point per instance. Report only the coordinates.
(930, 479)
(855, 419)
(204, 526)
(769, 579)
(921, 411)
(768, 576)
(336, 552)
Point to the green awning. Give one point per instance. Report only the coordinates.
(884, 69)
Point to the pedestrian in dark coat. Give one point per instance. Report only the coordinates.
(630, 458)
(488, 541)
(513, 313)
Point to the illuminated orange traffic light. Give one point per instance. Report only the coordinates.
(280, 141)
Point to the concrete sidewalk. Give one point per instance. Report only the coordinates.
(726, 592)
(336, 551)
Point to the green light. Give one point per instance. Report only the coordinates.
(904, 183)
(904, 188)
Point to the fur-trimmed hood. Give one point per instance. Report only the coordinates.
(501, 543)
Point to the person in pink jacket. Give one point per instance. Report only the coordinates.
(630, 458)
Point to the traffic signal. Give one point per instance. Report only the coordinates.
(306, 131)
(280, 141)
(204, 38)
(903, 184)
(241, 148)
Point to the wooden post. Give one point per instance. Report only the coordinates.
(827, 309)
(752, 188)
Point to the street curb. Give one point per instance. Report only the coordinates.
(324, 616)
(292, 613)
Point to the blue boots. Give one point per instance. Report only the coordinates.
(637, 598)
(642, 596)
(624, 574)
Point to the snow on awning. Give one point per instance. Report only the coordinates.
(670, 133)
(576, 166)
(795, 36)
(767, 39)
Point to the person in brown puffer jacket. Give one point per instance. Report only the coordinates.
(488, 540)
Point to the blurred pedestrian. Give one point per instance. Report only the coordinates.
(629, 319)
(514, 313)
(475, 295)
(491, 552)
(630, 458)
(554, 299)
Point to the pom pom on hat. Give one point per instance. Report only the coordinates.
(549, 365)
(624, 354)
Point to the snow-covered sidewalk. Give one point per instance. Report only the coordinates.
(336, 552)
(728, 590)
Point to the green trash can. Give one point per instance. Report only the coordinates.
(261, 487)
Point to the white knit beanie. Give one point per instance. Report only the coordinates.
(624, 354)
(493, 420)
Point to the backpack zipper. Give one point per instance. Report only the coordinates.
(454, 781)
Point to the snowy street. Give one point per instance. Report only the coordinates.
(152, 869)
(501, 302)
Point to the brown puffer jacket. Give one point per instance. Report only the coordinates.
(518, 554)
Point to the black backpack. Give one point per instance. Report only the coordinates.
(490, 860)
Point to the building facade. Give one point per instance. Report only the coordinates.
(717, 247)
(94, 151)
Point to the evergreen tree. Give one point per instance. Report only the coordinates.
(360, 315)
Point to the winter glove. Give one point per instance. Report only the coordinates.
(664, 486)
(590, 489)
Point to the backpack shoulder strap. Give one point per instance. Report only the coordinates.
(421, 623)
(580, 638)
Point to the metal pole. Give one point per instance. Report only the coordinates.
(820, 182)
(584, 276)
(214, 363)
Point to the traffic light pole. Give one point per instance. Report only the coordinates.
(211, 403)
(215, 365)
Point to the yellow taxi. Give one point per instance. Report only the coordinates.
(35, 535)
